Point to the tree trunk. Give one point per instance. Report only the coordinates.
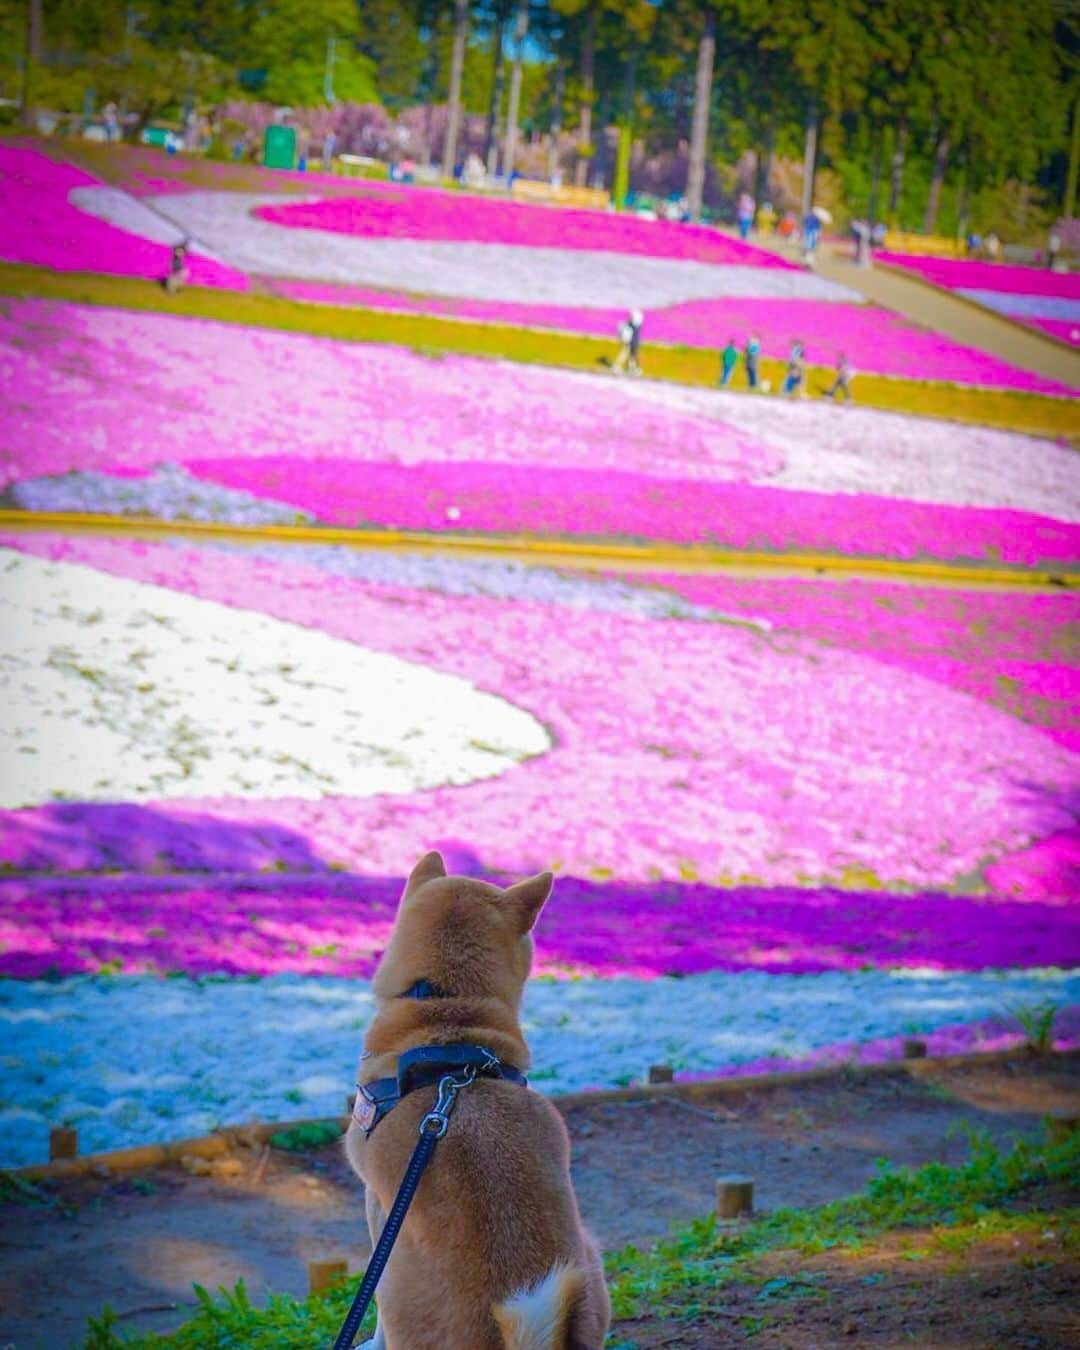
(34, 25)
(764, 162)
(1074, 163)
(491, 135)
(556, 121)
(875, 178)
(937, 178)
(521, 30)
(581, 169)
(429, 109)
(963, 205)
(699, 131)
(896, 178)
(809, 161)
(457, 64)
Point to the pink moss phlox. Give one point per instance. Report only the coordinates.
(676, 744)
(436, 213)
(1015, 649)
(973, 274)
(339, 925)
(1064, 331)
(963, 1038)
(609, 504)
(875, 340)
(39, 225)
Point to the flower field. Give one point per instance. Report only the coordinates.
(452, 254)
(402, 440)
(732, 784)
(792, 818)
(43, 226)
(1035, 297)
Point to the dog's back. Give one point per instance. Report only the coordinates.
(493, 1253)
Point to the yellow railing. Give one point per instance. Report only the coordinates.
(533, 190)
(930, 245)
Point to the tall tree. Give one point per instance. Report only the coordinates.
(699, 134)
(457, 65)
(521, 31)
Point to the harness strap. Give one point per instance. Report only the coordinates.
(421, 1067)
(432, 1128)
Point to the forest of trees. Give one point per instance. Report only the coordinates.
(923, 112)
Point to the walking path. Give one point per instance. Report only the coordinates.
(954, 317)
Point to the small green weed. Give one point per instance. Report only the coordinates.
(302, 1138)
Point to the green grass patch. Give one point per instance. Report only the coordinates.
(435, 336)
(312, 1134)
(678, 1271)
(960, 1205)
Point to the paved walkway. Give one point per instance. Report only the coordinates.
(959, 319)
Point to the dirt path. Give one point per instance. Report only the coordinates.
(639, 1166)
(958, 319)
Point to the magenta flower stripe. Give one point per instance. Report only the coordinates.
(339, 925)
(39, 225)
(434, 213)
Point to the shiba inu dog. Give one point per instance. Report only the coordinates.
(492, 1254)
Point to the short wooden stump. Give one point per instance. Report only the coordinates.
(914, 1048)
(63, 1143)
(323, 1275)
(661, 1073)
(1060, 1126)
(734, 1197)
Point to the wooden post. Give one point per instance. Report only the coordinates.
(914, 1048)
(322, 1275)
(1059, 1127)
(734, 1196)
(63, 1143)
(661, 1073)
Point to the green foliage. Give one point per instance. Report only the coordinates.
(705, 1253)
(1037, 1023)
(290, 41)
(228, 1320)
(311, 1135)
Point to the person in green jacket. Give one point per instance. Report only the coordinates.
(729, 358)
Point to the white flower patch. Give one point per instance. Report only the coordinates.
(223, 221)
(851, 449)
(114, 690)
(139, 1059)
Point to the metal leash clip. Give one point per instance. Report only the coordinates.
(438, 1118)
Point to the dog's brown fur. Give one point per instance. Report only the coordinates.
(493, 1253)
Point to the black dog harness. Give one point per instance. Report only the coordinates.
(424, 1067)
(450, 1068)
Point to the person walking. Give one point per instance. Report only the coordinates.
(729, 359)
(751, 357)
(630, 350)
(744, 214)
(845, 373)
(329, 145)
(796, 371)
(1053, 248)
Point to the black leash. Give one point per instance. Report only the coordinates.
(432, 1128)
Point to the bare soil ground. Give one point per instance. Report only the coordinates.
(139, 1243)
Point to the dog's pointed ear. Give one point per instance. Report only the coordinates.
(428, 868)
(527, 898)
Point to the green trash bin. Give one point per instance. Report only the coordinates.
(279, 148)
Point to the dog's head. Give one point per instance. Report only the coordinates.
(466, 938)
